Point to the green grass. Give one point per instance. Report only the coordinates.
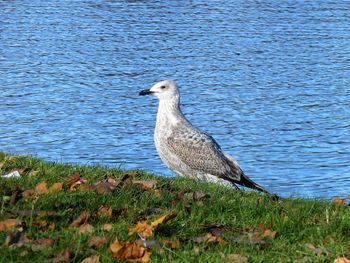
(297, 222)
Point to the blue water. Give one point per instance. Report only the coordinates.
(270, 80)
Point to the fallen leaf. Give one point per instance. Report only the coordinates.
(199, 196)
(265, 232)
(41, 244)
(98, 241)
(107, 227)
(63, 256)
(236, 258)
(341, 260)
(82, 218)
(162, 220)
(172, 244)
(56, 187)
(209, 238)
(145, 185)
(74, 181)
(217, 230)
(92, 259)
(105, 186)
(338, 202)
(105, 211)
(29, 194)
(130, 252)
(9, 224)
(143, 229)
(85, 229)
(43, 225)
(42, 189)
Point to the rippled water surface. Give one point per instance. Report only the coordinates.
(270, 80)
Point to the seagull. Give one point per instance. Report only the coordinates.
(188, 151)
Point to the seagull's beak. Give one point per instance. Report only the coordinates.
(145, 92)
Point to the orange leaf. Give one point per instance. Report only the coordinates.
(130, 252)
(338, 202)
(42, 189)
(9, 224)
(162, 220)
(143, 229)
(56, 187)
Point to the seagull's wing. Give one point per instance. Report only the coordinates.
(201, 152)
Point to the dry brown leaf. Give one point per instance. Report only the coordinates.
(162, 220)
(341, 260)
(130, 252)
(105, 186)
(107, 227)
(266, 233)
(42, 189)
(56, 187)
(41, 244)
(29, 194)
(98, 241)
(92, 259)
(145, 185)
(236, 258)
(209, 238)
(75, 181)
(105, 211)
(82, 218)
(172, 244)
(9, 224)
(338, 202)
(63, 256)
(43, 225)
(143, 229)
(85, 229)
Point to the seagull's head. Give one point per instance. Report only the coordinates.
(164, 90)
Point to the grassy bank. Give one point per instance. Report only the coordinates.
(61, 212)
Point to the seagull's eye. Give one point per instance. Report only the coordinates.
(162, 87)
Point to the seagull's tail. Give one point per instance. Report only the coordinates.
(245, 181)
